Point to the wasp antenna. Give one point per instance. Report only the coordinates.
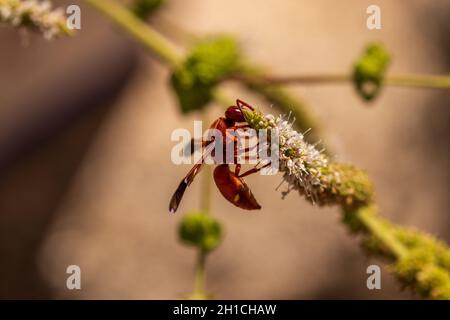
(288, 116)
(279, 185)
(317, 143)
(240, 104)
(293, 120)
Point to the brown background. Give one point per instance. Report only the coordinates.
(85, 170)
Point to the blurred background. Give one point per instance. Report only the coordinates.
(86, 176)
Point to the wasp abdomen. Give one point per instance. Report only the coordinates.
(234, 189)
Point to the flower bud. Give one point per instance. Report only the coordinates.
(200, 230)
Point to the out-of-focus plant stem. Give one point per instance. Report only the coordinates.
(205, 192)
(199, 292)
(412, 80)
(279, 97)
(143, 33)
(422, 81)
(167, 52)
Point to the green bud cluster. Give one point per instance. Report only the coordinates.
(369, 70)
(144, 8)
(200, 230)
(255, 119)
(421, 270)
(344, 184)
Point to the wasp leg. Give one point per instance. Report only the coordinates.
(242, 126)
(251, 171)
(241, 104)
(244, 151)
(237, 169)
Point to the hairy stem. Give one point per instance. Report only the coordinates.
(368, 216)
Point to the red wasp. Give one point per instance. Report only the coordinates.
(230, 183)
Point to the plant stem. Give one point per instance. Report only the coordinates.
(422, 81)
(174, 31)
(166, 51)
(280, 98)
(198, 292)
(144, 34)
(199, 281)
(268, 80)
(367, 215)
(205, 192)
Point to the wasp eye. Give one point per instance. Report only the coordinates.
(234, 113)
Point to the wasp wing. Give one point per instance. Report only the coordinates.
(178, 194)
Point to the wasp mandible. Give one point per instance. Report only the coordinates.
(230, 183)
